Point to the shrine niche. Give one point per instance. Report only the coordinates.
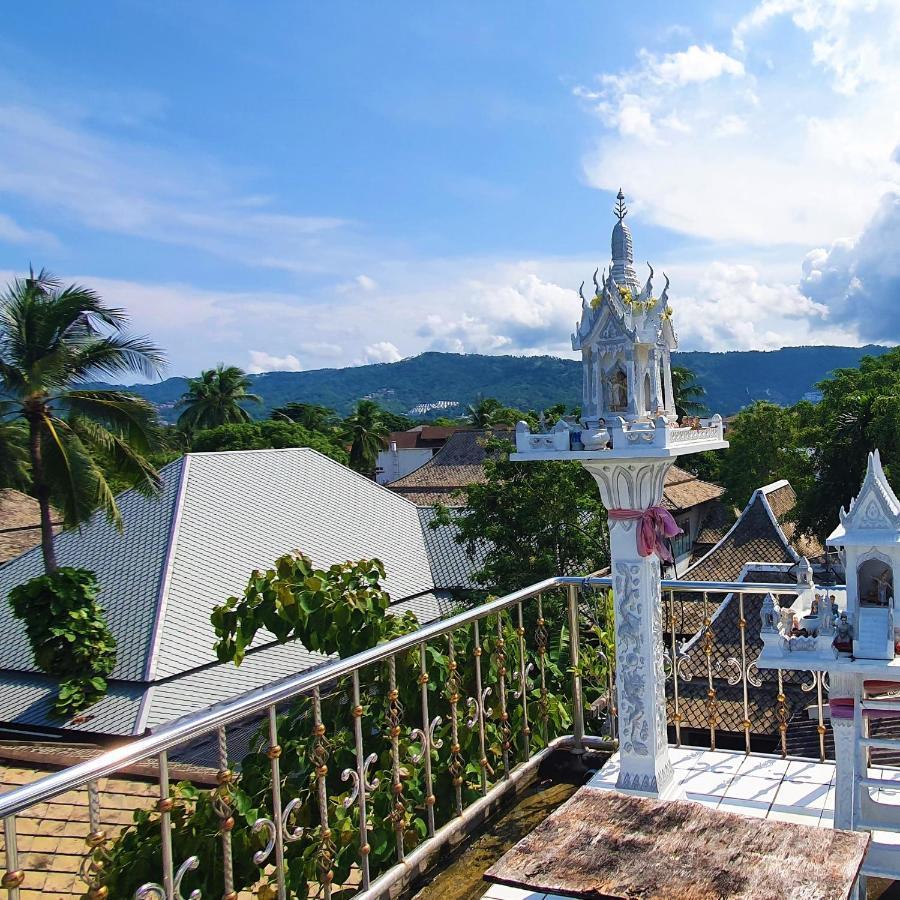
(616, 391)
(875, 583)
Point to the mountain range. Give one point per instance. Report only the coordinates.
(731, 379)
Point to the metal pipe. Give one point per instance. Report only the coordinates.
(165, 825)
(14, 876)
(524, 666)
(574, 645)
(742, 624)
(676, 718)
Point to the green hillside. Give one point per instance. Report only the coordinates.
(530, 382)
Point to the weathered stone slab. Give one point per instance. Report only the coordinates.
(603, 844)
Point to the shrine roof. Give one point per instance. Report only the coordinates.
(756, 536)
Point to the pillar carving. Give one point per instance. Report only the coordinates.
(640, 674)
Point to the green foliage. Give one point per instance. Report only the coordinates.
(309, 415)
(69, 637)
(763, 449)
(136, 856)
(215, 397)
(538, 519)
(53, 339)
(688, 392)
(341, 610)
(523, 382)
(265, 435)
(15, 467)
(859, 412)
(367, 431)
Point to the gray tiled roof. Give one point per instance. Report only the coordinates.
(128, 564)
(243, 510)
(220, 516)
(452, 566)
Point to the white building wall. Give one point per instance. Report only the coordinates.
(394, 463)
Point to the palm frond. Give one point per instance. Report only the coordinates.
(133, 418)
(117, 354)
(119, 455)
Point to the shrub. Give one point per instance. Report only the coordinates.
(69, 636)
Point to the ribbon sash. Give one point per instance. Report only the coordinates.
(654, 526)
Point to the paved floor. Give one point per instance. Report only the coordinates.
(784, 790)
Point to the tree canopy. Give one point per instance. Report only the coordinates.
(216, 397)
(265, 435)
(688, 392)
(367, 431)
(538, 519)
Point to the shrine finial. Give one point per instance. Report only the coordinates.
(621, 210)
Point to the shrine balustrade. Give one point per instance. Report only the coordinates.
(360, 772)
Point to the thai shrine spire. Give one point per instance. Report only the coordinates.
(622, 248)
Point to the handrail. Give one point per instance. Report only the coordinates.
(195, 724)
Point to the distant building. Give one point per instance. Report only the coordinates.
(460, 462)
(407, 450)
(219, 517)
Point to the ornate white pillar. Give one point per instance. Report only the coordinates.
(637, 484)
(842, 685)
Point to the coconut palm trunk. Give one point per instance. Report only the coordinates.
(42, 494)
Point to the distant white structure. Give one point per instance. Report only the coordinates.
(628, 439)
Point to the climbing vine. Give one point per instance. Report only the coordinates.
(343, 610)
(69, 637)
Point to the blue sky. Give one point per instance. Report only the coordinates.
(297, 185)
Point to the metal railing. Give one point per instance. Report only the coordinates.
(505, 666)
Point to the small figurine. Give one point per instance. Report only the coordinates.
(814, 609)
(843, 638)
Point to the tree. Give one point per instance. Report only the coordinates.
(858, 412)
(267, 435)
(367, 432)
(688, 392)
(535, 520)
(763, 448)
(215, 398)
(482, 414)
(52, 339)
(309, 415)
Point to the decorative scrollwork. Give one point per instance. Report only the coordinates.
(289, 834)
(428, 742)
(353, 776)
(738, 673)
(681, 668)
(811, 686)
(527, 683)
(754, 676)
(477, 706)
(153, 890)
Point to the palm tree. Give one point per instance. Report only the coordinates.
(483, 413)
(367, 432)
(53, 339)
(215, 398)
(687, 391)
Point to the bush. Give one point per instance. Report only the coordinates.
(69, 636)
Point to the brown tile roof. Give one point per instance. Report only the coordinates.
(684, 490)
(51, 836)
(460, 462)
(20, 523)
(755, 537)
(422, 436)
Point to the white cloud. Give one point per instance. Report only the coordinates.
(62, 169)
(260, 361)
(366, 283)
(769, 153)
(859, 279)
(14, 233)
(382, 352)
(696, 64)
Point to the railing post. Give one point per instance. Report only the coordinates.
(14, 876)
(575, 651)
